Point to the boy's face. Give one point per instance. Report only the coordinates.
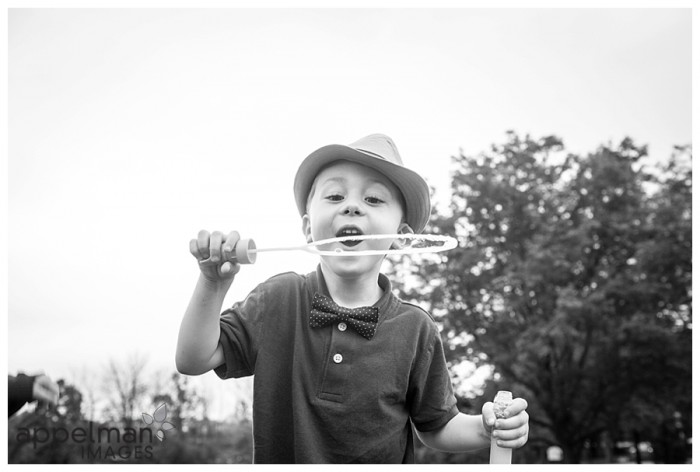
(349, 198)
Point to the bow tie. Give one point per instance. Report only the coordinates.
(325, 311)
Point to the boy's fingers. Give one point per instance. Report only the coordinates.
(203, 244)
(47, 395)
(230, 244)
(215, 241)
(44, 392)
(518, 405)
(513, 444)
(513, 422)
(194, 250)
(215, 249)
(48, 384)
(511, 434)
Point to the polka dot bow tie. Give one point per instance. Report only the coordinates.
(325, 311)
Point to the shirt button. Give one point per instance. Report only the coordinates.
(338, 358)
(342, 326)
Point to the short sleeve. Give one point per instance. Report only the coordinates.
(432, 403)
(241, 332)
(19, 391)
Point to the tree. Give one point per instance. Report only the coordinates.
(127, 387)
(186, 406)
(572, 279)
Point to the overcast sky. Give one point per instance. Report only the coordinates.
(131, 130)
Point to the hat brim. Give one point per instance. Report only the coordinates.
(412, 186)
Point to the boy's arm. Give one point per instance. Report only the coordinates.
(462, 433)
(198, 350)
(471, 432)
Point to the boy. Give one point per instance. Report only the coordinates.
(333, 384)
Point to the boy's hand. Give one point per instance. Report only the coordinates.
(214, 252)
(45, 390)
(511, 431)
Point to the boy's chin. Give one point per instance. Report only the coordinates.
(352, 266)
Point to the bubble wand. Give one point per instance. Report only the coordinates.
(246, 251)
(500, 455)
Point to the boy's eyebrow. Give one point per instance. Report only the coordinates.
(343, 180)
(333, 179)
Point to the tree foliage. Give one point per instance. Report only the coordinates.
(573, 279)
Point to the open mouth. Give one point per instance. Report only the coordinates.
(346, 231)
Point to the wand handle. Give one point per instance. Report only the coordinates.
(245, 251)
(501, 455)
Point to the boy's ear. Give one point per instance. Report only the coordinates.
(404, 228)
(306, 227)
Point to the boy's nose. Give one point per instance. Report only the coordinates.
(352, 209)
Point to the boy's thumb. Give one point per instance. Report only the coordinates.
(488, 414)
(226, 268)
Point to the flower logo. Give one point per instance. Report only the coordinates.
(158, 420)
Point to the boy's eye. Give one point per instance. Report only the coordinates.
(334, 197)
(374, 200)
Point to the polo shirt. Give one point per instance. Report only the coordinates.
(329, 395)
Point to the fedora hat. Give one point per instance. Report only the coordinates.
(378, 152)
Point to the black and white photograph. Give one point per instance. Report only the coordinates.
(348, 233)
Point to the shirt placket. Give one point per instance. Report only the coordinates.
(338, 362)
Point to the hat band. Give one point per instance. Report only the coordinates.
(373, 154)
